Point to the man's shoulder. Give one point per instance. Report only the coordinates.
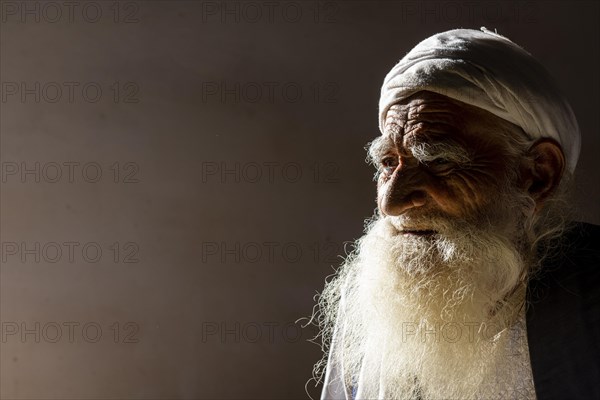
(575, 256)
(583, 237)
(566, 286)
(563, 317)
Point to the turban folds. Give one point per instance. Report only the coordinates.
(486, 70)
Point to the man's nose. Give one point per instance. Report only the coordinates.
(404, 190)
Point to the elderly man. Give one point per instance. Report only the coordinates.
(470, 282)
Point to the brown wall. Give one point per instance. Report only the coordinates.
(211, 271)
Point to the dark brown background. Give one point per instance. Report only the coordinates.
(205, 325)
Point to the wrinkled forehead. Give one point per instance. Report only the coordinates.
(423, 110)
(437, 115)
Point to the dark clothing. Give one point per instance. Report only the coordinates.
(563, 319)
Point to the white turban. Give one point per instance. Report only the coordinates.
(486, 70)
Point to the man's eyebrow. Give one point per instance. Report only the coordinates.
(378, 148)
(448, 149)
(422, 148)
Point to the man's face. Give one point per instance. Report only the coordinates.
(440, 157)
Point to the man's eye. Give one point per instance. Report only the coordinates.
(439, 161)
(389, 163)
(440, 165)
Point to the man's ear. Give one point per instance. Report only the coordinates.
(541, 173)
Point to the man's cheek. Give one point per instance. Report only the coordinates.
(467, 192)
(450, 199)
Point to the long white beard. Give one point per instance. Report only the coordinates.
(429, 316)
